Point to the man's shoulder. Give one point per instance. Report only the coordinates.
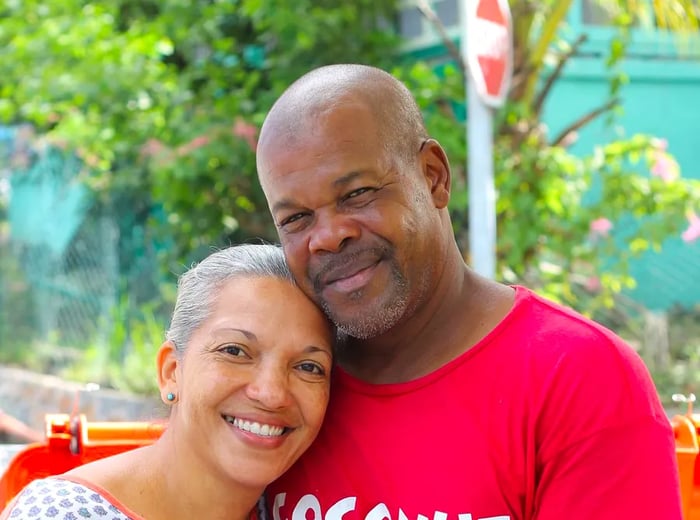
(557, 339)
(547, 320)
(572, 354)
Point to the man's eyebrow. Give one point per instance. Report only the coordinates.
(283, 204)
(344, 180)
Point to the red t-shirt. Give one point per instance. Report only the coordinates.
(550, 417)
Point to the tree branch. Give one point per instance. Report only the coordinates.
(432, 17)
(539, 48)
(583, 121)
(562, 60)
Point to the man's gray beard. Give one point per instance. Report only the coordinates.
(371, 324)
(375, 321)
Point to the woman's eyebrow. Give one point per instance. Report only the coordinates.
(312, 349)
(248, 334)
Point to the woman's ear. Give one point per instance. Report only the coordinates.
(436, 169)
(167, 362)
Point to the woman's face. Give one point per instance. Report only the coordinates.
(252, 387)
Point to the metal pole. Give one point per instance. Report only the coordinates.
(482, 193)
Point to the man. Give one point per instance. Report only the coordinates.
(456, 397)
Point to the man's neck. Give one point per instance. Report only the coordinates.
(460, 312)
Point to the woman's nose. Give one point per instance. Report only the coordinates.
(269, 386)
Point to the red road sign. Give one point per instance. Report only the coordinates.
(490, 48)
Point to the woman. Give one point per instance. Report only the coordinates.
(245, 369)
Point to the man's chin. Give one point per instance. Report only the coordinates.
(367, 322)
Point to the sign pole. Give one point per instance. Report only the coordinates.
(486, 44)
(482, 191)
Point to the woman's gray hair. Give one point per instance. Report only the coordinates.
(198, 287)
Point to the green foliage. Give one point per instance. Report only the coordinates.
(162, 98)
(562, 197)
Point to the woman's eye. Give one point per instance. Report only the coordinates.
(234, 350)
(312, 368)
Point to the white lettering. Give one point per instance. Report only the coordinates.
(338, 510)
(379, 512)
(341, 507)
(307, 503)
(279, 502)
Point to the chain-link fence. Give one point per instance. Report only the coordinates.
(63, 265)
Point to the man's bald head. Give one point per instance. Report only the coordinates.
(399, 121)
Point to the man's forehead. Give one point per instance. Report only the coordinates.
(295, 120)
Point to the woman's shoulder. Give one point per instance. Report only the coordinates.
(61, 497)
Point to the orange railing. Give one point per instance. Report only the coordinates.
(71, 440)
(686, 429)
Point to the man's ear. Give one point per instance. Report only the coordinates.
(436, 168)
(167, 362)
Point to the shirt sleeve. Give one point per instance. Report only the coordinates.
(628, 471)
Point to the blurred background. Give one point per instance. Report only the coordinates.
(127, 151)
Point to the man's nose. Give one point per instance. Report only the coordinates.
(269, 386)
(331, 231)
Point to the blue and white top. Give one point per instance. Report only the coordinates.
(65, 498)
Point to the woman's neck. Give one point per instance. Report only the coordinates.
(164, 481)
(194, 490)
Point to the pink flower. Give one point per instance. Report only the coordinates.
(152, 147)
(660, 144)
(88, 158)
(592, 284)
(247, 132)
(194, 144)
(600, 227)
(664, 167)
(693, 232)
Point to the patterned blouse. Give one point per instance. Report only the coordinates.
(72, 498)
(63, 498)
